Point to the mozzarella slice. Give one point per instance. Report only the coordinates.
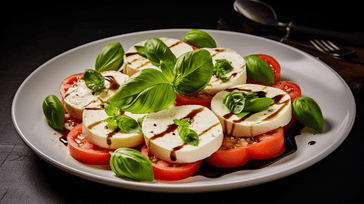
(164, 142)
(79, 96)
(235, 77)
(95, 131)
(258, 123)
(133, 62)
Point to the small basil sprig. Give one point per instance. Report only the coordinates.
(125, 123)
(110, 58)
(259, 70)
(199, 38)
(308, 112)
(131, 164)
(221, 68)
(240, 103)
(188, 135)
(141, 50)
(54, 112)
(94, 80)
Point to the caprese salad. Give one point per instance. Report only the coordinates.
(163, 107)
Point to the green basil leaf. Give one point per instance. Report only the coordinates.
(235, 101)
(193, 71)
(94, 80)
(110, 58)
(127, 124)
(258, 104)
(141, 50)
(148, 91)
(309, 113)
(221, 68)
(242, 114)
(159, 54)
(111, 110)
(199, 38)
(259, 70)
(111, 123)
(54, 112)
(188, 135)
(131, 164)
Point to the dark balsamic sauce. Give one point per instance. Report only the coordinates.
(209, 171)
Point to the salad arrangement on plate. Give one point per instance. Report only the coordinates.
(163, 107)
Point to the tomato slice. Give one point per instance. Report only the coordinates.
(195, 99)
(170, 171)
(84, 151)
(268, 145)
(275, 66)
(290, 87)
(68, 82)
(232, 153)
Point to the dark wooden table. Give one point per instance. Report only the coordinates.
(33, 34)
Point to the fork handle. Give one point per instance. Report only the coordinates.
(357, 38)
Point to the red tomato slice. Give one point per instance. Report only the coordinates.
(84, 151)
(195, 99)
(290, 87)
(275, 66)
(67, 83)
(232, 153)
(269, 145)
(169, 171)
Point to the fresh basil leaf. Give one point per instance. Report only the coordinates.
(221, 68)
(308, 112)
(131, 164)
(127, 124)
(193, 71)
(242, 114)
(199, 38)
(54, 112)
(235, 101)
(148, 91)
(141, 50)
(188, 135)
(141, 120)
(258, 104)
(111, 110)
(111, 123)
(94, 80)
(159, 54)
(110, 58)
(259, 70)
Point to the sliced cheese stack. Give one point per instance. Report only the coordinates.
(133, 62)
(95, 131)
(235, 77)
(162, 138)
(79, 96)
(258, 123)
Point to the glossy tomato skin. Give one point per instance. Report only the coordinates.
(276, 67)
(229, 155)
(293, 89)
(269, 145)
(195, 99)
(84, 151)
(68, 82)
(164, 170)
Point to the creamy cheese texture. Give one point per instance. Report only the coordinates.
(235, 77)
(133, 62)
(258, 123)
(95, 131)
(162, 138)
(79, 96)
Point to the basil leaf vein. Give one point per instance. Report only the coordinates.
(259, 70)
(110, 58)
(54, 112)
(188, 135)
(94, 80)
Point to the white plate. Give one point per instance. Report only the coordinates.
(316, 79)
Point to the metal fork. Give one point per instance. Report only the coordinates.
(330, 48)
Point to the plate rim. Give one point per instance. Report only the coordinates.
(185, 187)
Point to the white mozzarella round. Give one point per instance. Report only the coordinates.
(162, 138)
(235, 77)
(79, 96)
(133, 62)
(95, 131)
(258, 123)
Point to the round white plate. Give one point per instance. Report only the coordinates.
(316, 79)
